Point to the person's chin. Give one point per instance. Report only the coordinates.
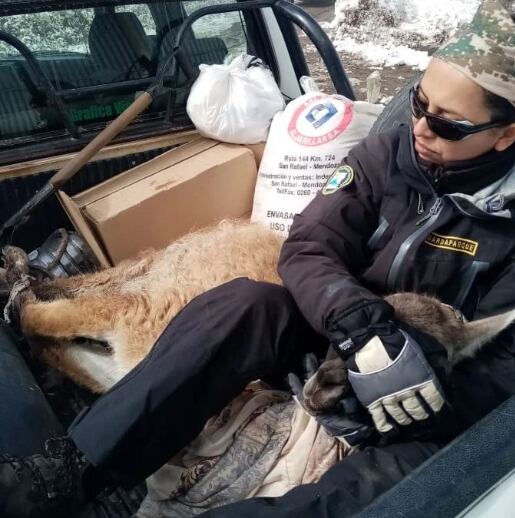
(426, 155)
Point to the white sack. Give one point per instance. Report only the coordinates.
(306, 143)
(235, 102)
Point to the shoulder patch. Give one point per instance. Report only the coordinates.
(341, 177)
(453, 243)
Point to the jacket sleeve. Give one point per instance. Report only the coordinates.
(327, 246)
(488, 379)
(501, 296)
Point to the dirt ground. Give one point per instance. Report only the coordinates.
(357, 69)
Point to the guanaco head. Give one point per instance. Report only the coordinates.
(460, 337)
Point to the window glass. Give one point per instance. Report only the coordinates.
(229, 27)
(61, 31)
(98, 58)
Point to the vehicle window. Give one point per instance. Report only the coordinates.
(99, 58)
(62, 31)
(229, 27)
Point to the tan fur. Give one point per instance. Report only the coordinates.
(127, 307)
(460, 338)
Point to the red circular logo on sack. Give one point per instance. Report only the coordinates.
(320, 119)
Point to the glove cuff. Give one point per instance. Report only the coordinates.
(358, 324)
(356, 340)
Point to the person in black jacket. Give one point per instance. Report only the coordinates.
(427, 208)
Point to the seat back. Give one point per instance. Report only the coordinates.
(117, 42)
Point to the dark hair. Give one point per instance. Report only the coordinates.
(500, 108)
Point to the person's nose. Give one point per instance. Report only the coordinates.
(421, 129)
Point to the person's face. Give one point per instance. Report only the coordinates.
(449, 93)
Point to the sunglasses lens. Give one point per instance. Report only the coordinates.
(416, 108)
(441, 128)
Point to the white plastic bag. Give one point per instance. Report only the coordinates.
(235, 102)
(307, 142)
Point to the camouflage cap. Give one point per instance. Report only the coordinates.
(485, 50)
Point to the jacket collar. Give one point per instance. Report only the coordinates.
(491, 200)
(468, 177)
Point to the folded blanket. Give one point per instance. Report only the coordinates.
(261, 444)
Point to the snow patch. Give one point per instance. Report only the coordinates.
(384, 54)
(395, 32)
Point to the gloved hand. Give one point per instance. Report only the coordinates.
(393, 380)
(345, 421)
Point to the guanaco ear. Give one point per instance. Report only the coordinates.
(480, 332)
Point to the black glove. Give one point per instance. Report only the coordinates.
(347, 420)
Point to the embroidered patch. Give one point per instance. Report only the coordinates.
(456, 244)
(495, 204)
(340, 178)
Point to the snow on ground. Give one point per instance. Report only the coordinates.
(397, 32)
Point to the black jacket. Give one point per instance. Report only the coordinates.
(399, 226)
(385, 232)
(379, 235)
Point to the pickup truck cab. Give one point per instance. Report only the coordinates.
(67, 69)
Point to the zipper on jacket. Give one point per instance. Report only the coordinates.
(423, 225)
(435, 209)
(420, 206)
(378, 233)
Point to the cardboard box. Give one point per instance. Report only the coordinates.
(149, 206)
(258, 150)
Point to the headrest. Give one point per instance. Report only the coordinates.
(118, 40)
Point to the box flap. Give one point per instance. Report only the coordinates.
(136, 174)
(82, 227)
(116, 150)
(135, 193)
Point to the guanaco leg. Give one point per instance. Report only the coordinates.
(69, 287)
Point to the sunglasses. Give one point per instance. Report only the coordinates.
(445, 128)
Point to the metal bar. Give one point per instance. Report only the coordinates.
(50, 91)
(216, 9)
(296, 15)
(322, 43)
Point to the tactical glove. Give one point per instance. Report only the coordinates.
(393, 380)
